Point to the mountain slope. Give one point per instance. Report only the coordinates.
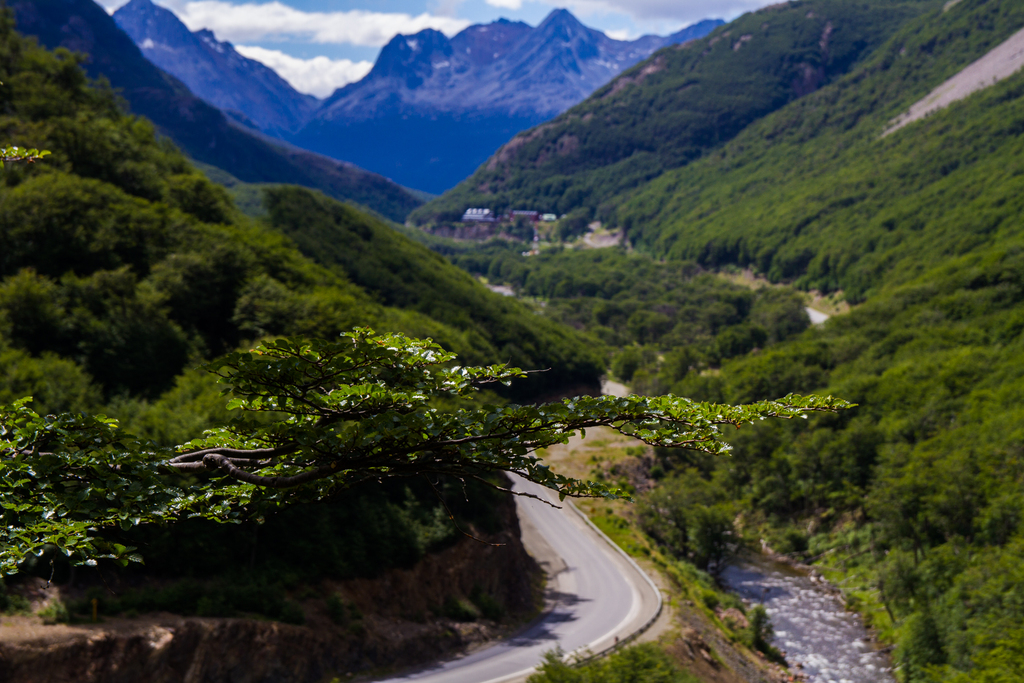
(214, 71)
(913, 502)
(432, 109)
(675, 107)
(120, 264)
(198, 128)
(826, 200)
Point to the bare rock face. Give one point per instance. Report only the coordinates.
(432, 109)
(503, 67)
(214, 70)
(399, 628)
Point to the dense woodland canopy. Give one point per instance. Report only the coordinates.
(122, 269)
(916, 495)
(122, 265)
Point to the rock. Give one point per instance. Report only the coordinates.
(734, 618)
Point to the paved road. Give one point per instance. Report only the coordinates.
(597, 596)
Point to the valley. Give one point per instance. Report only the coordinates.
(814, 199)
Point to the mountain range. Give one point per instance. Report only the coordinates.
(431, 109)
(241, 87)
(201, 130)
(672, 109)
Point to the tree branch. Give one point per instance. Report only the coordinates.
(234, 453)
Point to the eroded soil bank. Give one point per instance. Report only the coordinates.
(399, 628)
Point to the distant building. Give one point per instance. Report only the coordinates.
(478, 216)
(529, 215)
(549, 218)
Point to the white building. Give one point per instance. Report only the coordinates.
(478, 216)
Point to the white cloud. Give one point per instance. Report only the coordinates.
(319, 76)
(506, 4)
(252, 22)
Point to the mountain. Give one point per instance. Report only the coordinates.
(200, 129)
(674, 107)
(214, 71)
(432, 109)
(921, 228)
(828, 201)
(145, 266)
(913, 501)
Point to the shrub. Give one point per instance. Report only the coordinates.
(488, 606)
(54, 613)
(459, 610)
(336, 609)
(292, 613)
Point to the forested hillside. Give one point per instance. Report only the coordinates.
(675, 107)
(914, 499)
(816, 194)
(912, 502)
(122, 266)
(660, 321)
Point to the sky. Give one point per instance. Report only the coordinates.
(320, 45)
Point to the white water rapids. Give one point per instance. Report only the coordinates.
(811, 625)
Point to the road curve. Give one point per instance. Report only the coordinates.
(596, 597)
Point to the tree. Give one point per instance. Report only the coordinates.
(316, 417)
(12, 153)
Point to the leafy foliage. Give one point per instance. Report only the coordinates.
(346, 412)
(639, 664)
(13, 153)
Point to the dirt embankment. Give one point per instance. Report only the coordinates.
(400, 627)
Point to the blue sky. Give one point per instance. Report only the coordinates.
(318, 45)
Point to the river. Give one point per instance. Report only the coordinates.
(811, 625)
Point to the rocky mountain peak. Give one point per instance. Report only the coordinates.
(563, 21)
(433, 109)
(160, 25)
(413, 58)
(249, 91)
(482, 44)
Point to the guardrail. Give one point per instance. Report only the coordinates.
(573, 658)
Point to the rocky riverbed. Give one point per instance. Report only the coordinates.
(820, 638)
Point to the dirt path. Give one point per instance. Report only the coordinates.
(1001, 62)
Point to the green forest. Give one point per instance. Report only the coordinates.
(913, 501)
(124, 269)
(760, 148)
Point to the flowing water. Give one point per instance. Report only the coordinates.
(811, 625)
